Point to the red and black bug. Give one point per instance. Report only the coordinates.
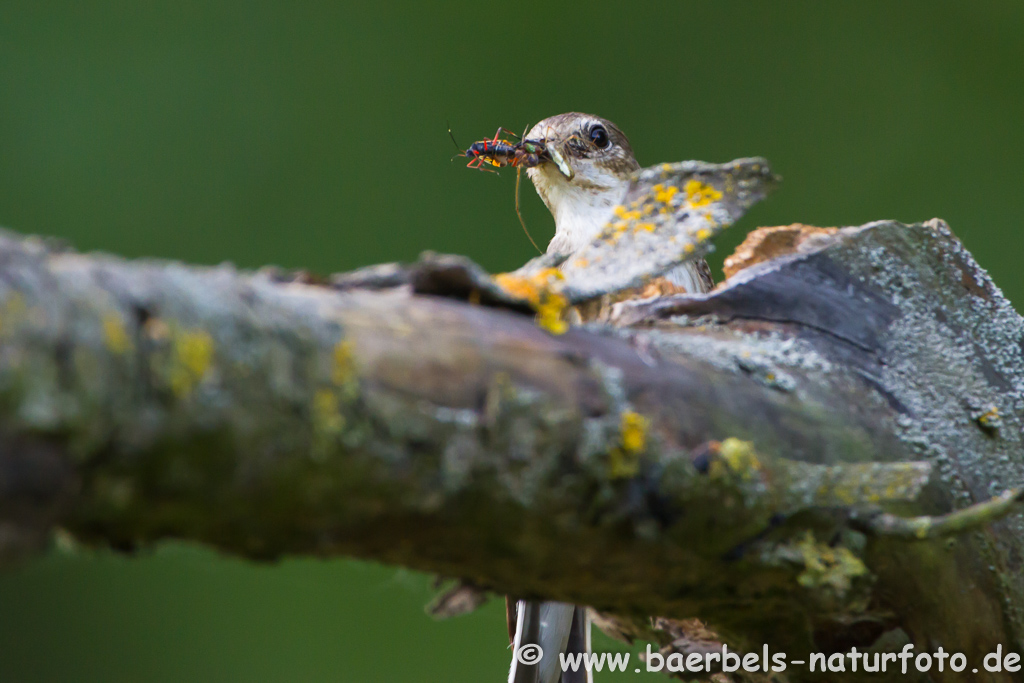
(499, 153)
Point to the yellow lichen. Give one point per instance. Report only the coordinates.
(649, 227)
(580, 263)
(736, 457)
(990, 418)
(700, 194)
(688, 248)
(539, 290)
(634, 431)
(829, 567)
(703, 234)
(114, 335)
(665, 195)
(549, 313)
(195, 350)
(519, 287)
(344, 364)
(192, 354)
(529, 288)
(624, 460)
(327, 417)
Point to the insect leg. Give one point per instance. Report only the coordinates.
(519, 174)
(478, 164)
(507, 132)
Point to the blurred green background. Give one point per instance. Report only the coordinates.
(313, 134)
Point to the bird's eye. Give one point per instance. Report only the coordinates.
(599, 136)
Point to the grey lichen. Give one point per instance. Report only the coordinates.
(719, 456)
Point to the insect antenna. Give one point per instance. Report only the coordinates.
(462, 152)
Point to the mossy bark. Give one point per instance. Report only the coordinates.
(712, 457)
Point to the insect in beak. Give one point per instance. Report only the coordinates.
(560, 161)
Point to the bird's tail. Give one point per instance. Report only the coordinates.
(556, 627)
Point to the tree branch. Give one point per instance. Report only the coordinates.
(708, 460)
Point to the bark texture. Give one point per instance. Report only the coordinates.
(741, 457)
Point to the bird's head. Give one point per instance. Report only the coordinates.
(583, 175)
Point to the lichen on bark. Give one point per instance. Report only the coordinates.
(751, 458)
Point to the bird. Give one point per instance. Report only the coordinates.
(583, 175)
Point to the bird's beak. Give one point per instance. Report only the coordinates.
(560, 161)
